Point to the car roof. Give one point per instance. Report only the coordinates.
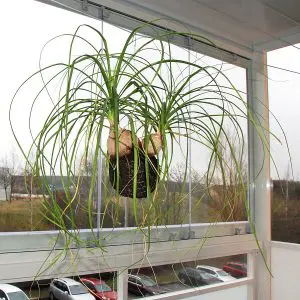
(209, 267)
(68, 281)
(8, 288)
(237, 263)
(93, 280)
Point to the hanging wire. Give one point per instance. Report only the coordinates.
(190, 145)
(86, 13)
(283, 69)
(100, 156)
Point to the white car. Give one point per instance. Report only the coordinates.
(11, 292)
(216, 272)
(68, 289)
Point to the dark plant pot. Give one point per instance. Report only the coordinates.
(126, 164)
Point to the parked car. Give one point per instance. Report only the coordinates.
(195, 277)
(216, 272)
(144, 285)
(236, 269)
(11, 292)
(68, 289)
(99, 289)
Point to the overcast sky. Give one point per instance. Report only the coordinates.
(284, 98)
(26, 25)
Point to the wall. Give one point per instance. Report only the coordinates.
(285, 262)
(234, 290)
(23, 255)
(237, 293)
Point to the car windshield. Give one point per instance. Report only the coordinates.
(78, 289)
(147, 281)
(19, 295)
(102, 287)
(222, 273)
(205, 275)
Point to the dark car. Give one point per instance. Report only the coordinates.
(236, 269)
(144, 285)
(99, 289)
(195, 277)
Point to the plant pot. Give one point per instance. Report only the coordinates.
(126, 174)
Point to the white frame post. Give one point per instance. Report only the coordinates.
(250, 274)
(122, 283)
(259, 164)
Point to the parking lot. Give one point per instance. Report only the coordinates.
(43, 292)
(166, 276)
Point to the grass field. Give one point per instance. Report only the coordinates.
(22, 215)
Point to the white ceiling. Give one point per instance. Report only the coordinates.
(245, 23)
(236, 25)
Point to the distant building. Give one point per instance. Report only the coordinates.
(2, 194)
(2, 190)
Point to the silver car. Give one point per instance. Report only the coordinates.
(11, 292)
(216, 272)
(68, 289)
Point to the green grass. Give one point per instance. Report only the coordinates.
(25, 215)
(22, 215)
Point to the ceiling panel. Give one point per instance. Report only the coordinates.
(290, 9)
(246, 22)
(232, 24)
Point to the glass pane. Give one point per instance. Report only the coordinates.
(283, 99)
(198, 179)
(181, 276)
(216, 194)
(21, 204)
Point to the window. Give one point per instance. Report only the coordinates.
(178, 201)
(89, 285)
(57, 284)
(3, 295)
(182, 200)
(78, 289)
(61, 286)
(206, 270)
(147, 281)
(283, 88)
(64, 287)
(132, 279)
(103, 287)
(180, 276)
(19, 295)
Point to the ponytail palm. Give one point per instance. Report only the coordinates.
(130, 106)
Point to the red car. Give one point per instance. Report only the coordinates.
(99, 289)
(236, 269)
